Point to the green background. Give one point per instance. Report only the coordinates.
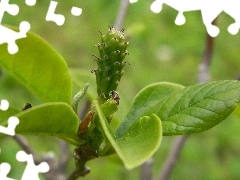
(159, 51)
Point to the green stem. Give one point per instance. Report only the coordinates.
(79, 96)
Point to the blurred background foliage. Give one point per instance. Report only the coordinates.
(159, 51)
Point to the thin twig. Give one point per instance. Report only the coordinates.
(172, 158)
(121, 14)
(58, 168)
(203, 73)
(22, 142)
(146, 170)
(203, 76)
(64, 157)
(53, 164)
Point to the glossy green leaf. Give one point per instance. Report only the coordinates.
(198, 108)
(138, 143)
(38, 67)
(50, 119)
(145, 103)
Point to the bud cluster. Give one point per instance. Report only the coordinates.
(112, 51)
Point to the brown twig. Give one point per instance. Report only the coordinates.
(22, 142)
(172, 158)
(203, 73)
(58, 168)
(146, 170)
(121, 14)
(82, 155)
(64, 157)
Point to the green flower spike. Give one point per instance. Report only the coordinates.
(112, 51)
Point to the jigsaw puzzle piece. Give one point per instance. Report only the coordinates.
(4, 170)
(59, 19)
(30, 2)
(180, 19)
(209, 10)
(232, 9)
(12, 9)
(76, 11)
(4, 105)
(31, 171)
(12, 123)
(9, 36)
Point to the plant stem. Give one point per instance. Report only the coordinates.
(82, 155)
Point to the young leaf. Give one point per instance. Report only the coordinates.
(138, 143)
(145, 101)
(38, 67)
(198, 108)
(50, 119)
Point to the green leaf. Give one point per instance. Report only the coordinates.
(139, 142)
(50, 119)
(145, 103)
(198, 108)
(38, 67)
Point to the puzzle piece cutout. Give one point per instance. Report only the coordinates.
(30, 2)
(4, 170)
(209, 10)
(4, 105)
(5, 167)
(31, 171)
(59, 19)
(7, 35)
(12, 121)
(12, 9)
(133, 1)
(76, 11)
